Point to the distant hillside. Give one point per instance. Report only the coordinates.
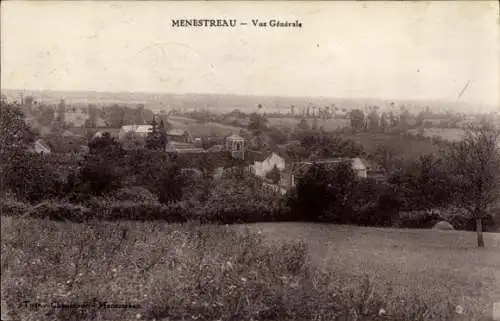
(227, 102)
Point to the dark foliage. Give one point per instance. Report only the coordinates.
(33, 178)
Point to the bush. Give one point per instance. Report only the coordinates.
(34, 178)
(459, 218)
(113, 210)
(228, 212)
(10, 206)
(372, 216)
(135, 194)
(59, 211)
(417, 219)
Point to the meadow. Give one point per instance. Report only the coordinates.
(206, 129)
(278, 271)
(407, 147)
(449, 134)
(291, 123)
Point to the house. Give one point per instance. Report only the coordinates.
(139, 130)
(40, 147)
(298, 170)
(179, 147)
(261, 168)
(179, 135)
(375, 171)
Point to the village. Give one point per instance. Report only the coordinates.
(297, 161)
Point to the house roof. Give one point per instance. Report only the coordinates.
(235, 137)
(177, 132)
(183, 147)
(137, 128)
(255, 156)
(42, 144)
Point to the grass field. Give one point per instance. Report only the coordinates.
(415, 258)
(450, 134)
(207, 129)
(405, 147)
(174, 270)
(290, 122)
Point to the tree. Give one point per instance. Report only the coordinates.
(104, 144)
(274, 175)
(303, 125)
(475, 163)
(384, 122)
(373, 121)
(139, 115)
(91, 122)
(157, 138)
(257, 124)
(15, 134)
(325, 193)
(61, 113)
(384, 156)
(47, 116)
(420, 119)
(357, 117)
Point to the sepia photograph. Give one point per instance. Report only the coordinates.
(250, 160)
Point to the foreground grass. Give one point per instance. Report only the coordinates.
(181, 272)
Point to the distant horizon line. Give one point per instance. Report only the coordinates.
(257, 95)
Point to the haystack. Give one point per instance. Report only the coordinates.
(443, 225)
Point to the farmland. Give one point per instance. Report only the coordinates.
(449, 134)
(290, 122)
(206, 129)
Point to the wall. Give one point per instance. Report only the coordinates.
(264, 167)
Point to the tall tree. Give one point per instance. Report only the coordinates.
(475, 163)
(373, 121)
(61, 113)
(384, 122)
(91, 122)
(257, 124)
(357, 117)
(156, 140)
(15, 134)
(139, 115)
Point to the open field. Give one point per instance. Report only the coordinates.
(291, 123)
(164, 269)
(207, 129)
(403, 256)
(403, 146)
(450, 134)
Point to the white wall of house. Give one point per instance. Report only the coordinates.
(264, 167)
(359, 168)
(139, 130)
(40, 148)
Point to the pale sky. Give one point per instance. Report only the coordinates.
(393, 50)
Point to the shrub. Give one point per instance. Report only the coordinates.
(417, 219)
(459, 218)
(112, 210)
(135, 194)
(229, 212)
(34, 177)
(10, 206)
(59, 211)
